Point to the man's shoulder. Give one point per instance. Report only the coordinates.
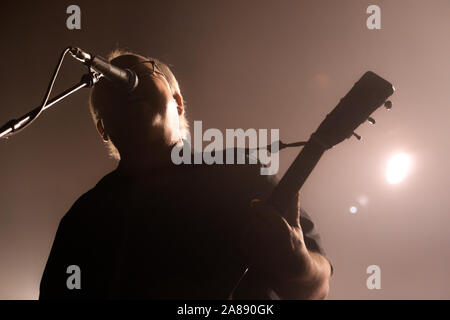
(89, 200)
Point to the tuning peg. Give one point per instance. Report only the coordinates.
(357, 136)
(371, 120)
(388, 105)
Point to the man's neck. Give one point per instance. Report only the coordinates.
(146, 159)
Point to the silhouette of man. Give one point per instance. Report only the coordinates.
(151, 229)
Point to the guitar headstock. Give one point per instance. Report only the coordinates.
(368, 94)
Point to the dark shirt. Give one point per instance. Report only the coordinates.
(170, 233)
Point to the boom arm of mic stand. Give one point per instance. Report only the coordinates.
(14, 125)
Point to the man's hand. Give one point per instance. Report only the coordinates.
(279, 251)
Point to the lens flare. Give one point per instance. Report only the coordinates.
(353, 209)
(397, 168)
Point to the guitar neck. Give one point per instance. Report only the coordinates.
(366, 95)
(296, 175)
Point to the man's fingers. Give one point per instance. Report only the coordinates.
(273, 239)
(268, 213)
(268, 222)
(292, 214)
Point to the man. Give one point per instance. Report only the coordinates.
(152, 229)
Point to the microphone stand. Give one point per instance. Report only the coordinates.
(87, 81)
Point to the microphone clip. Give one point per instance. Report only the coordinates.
(80, 55)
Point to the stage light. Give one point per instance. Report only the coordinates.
(397, 168)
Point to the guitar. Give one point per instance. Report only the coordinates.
(368, 94)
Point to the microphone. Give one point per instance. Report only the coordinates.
(124, 78)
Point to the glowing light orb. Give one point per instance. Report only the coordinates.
(353, 209)
(397, 168)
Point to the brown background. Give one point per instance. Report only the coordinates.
(247, 64)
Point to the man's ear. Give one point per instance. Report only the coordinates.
(101, 130)
(179, 99)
